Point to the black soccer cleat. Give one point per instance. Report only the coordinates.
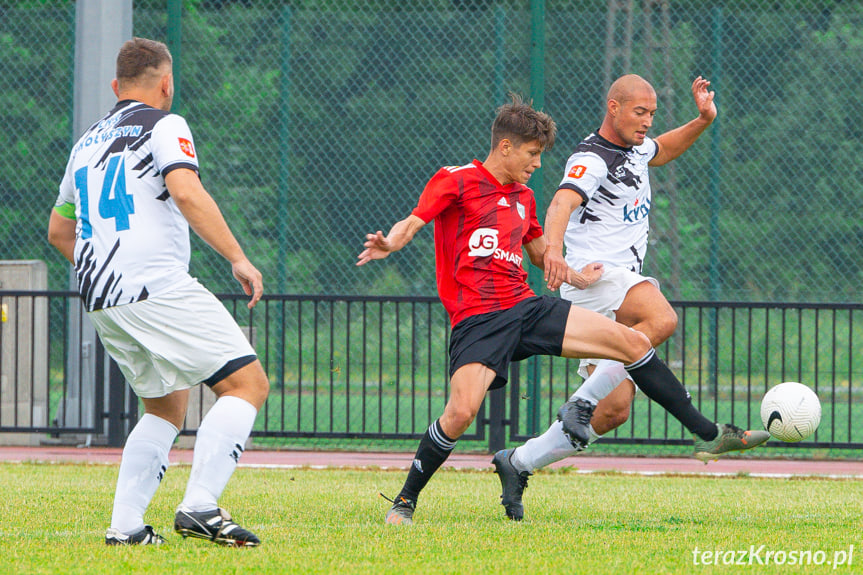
(513, 483)
(575, 417)
(145, 536)
(215, 525)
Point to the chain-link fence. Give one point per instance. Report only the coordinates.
(318, 121)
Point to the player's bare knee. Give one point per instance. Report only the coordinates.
(260, 387)
(638, 345)
(249, 383)
(458, 419)
(667, 326)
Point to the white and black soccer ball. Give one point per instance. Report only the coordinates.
(790, 411)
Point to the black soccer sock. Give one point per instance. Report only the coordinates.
(659, 384)
(433, 450)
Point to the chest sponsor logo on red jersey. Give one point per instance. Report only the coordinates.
(187, 147)
(483, 243)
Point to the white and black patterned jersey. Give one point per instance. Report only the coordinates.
(132, 242)
(611, 226)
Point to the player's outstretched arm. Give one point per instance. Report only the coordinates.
(537, 252)
(205, 218)
(587, 276)
(557, 216)
(673, 143)
(377, 246)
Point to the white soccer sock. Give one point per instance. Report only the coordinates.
(144, 463)
(219, 444)
(592, 435)
(551, 446)
(607, 375)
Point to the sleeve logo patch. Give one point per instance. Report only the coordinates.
(187, 147)
(576, 172)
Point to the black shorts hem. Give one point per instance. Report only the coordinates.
(232, 366)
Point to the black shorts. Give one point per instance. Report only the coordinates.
(534, 326)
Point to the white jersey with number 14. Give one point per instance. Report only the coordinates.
(132, 242)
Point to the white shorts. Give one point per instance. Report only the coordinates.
(172, 341)
(604, 296)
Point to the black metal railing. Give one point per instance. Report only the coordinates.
(376, 368)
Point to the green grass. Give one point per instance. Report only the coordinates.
(328, 521)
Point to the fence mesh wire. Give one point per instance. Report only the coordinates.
(319, 121)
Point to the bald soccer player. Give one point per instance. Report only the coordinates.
(600, 213)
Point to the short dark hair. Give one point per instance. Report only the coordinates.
(139, 56)
(518, 122)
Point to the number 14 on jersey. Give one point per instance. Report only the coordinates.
(114, 202)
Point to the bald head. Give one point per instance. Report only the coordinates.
(629, 87)
(629, 111)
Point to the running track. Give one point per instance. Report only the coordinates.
(840, 469)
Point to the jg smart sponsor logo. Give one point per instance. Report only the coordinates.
(483, 243)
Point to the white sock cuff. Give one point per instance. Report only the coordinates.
(153, 428)
(607, 375)
(232, 411)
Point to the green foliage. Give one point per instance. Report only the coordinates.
(36, 40)
(319, 121)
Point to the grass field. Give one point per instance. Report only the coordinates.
(330, 521)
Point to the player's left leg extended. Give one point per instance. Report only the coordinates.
(468, 386)
(653, 377)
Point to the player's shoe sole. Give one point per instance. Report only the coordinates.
(575, 417)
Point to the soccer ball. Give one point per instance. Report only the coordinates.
(790, 411)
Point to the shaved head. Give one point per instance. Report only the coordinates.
(629, 111)
(629, 87)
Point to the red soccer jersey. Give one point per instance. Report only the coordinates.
(480, 228)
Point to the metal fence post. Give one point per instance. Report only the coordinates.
(116, 414)
(496, 419)
(175, 38)
(101, 27)
(715, 198)
(535, 279)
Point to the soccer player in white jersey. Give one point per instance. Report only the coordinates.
(130, 192)
(600, 212)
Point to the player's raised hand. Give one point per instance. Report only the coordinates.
(555, 267)
(377, 248)
(251, 280)
(704, 99)
(587, 276)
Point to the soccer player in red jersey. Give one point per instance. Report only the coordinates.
(484, 216)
